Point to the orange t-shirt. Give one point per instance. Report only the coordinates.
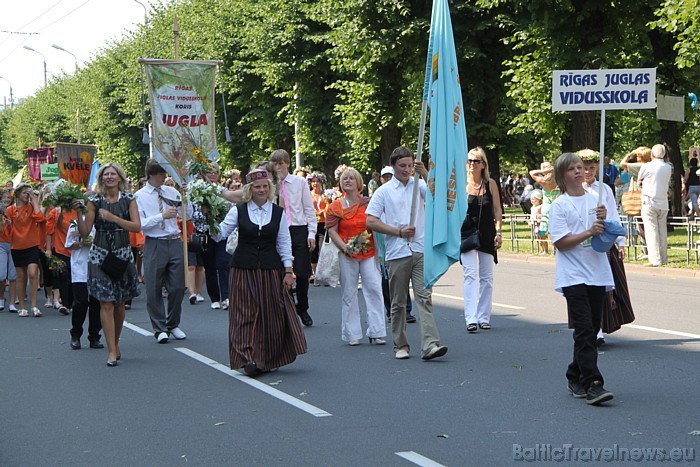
(24, 226)
(59, 231)
(319, 206)
(351, 221)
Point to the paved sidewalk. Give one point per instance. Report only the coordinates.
(636, 268)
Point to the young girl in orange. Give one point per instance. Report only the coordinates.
(24, 244)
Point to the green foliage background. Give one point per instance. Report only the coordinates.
(349, 76)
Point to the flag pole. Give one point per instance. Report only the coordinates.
(183, 193)
(419, 155)
(423, 115)
(601, 161)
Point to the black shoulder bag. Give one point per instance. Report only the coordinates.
(112, 265)
(473, 240)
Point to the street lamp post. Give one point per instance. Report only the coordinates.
(46, 81)
(58, 47)
(12, 102)
(145, 12)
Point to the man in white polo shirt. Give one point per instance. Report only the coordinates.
(404, 252)
(654, 178)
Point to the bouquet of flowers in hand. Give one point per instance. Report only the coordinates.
(83, 241)
(359, 244)
(200, 164)
(331, 195)
(56, 265)
(62, 193)
(214, 208)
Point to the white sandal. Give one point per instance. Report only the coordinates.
(23, 313)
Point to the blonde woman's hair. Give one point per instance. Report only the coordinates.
(99, 186)
(479, 153)
(248, 191)
(356, 175)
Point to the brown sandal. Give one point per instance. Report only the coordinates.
(471, 327)
(485, 326)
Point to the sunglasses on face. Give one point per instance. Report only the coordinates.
(473, 161)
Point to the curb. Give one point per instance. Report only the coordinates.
(635, 268)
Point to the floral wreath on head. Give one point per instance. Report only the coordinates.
(588, 155)
(320, 177)
(339, 171)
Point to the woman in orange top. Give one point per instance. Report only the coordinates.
(56, 231)
(7, 267)
(24, 244)
(346, 224)
(316, 181)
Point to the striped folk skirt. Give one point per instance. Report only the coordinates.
(263, 324)
(617, 306)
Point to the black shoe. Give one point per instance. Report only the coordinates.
(251, 369)
(75, 343)
(305, 318)
(97, 345)
(599, 342)
(576, 390)
(112, 364)
(410, 318)
(597, 394)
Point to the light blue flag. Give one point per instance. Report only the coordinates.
(446, 201)
(93, 174)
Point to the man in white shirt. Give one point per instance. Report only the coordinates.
(654, 177)
(163, 254)
(295, 197)
(404, 252)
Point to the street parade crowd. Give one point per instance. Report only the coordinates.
(261, 238)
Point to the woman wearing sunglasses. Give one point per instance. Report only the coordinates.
(484, 215)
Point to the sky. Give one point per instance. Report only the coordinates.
(82, 27)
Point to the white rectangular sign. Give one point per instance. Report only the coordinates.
(632, 88)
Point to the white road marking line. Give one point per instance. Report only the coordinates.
(417, 459)
(460, 299)
(663, 331)
(137, 329)
(284, 397)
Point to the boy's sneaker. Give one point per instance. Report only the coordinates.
(2, 304)
(12, 309)
(597, 394)
(576, 390)
(49, 303)
(193, 299)
(200, 299)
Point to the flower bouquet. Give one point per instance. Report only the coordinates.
(200, 165)
(360, 244)
(56, 265)
(62, 193)
(206, 195)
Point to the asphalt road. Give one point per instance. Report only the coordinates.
(496, 397)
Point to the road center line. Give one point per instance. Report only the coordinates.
(284, 397)
(663, 331)
(137, 329)
(460, 299)
(417, 459)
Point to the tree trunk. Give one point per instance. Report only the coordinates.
(390, 140)
(583, 131)
(670, 136)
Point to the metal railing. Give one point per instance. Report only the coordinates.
(633, 243)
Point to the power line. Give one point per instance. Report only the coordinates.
(69, 13)
(49, 9)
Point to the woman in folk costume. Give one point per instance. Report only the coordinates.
(617, 308)
(264, 329)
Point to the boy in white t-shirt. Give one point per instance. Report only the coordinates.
(83, 304)
(582, 274)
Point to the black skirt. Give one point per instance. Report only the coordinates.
(23, 258)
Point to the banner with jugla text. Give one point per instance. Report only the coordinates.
(75, 162)
(182, 111)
